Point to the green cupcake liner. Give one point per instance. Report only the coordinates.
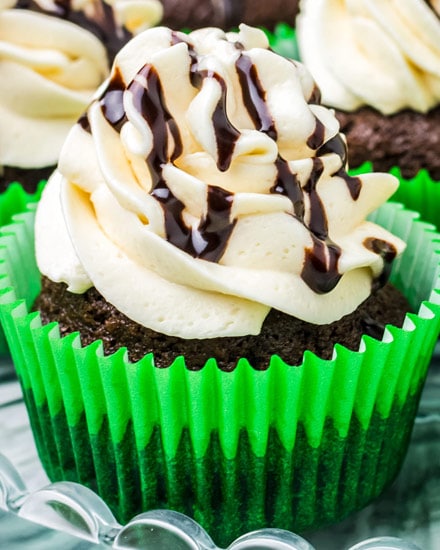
(283, 40)
(13, 201)
(420, 193)
(290, 447)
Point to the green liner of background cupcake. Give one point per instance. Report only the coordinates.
(13, 201)
(290, 447)
(421, 193)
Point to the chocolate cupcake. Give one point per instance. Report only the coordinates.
(201, 217)
(54, 57)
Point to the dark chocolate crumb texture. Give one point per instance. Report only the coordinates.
(282, 334)
(406, 139)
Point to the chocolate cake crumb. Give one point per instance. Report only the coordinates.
(28, 178)
(286, 336)
(406, 139)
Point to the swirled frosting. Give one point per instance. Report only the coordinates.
(49, 70)
(205, 185)
(370, 52)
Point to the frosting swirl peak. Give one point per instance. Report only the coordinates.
(53, 56)
(370, 52)
(212, 187)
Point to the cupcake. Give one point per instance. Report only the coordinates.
(379, 68)
(204, 254)
(14, 200)
(227, 14)
(51, 66)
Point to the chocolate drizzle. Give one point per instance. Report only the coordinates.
(430, 4)
(316, 140)
(287, 184)
(149, 101)
(315, 96)
(338, 146)
(387, 252)
(334, 145)
(226, 134)
(208, 238)
(320, 266)
(320, 270)
(112, 101)
(254, 96)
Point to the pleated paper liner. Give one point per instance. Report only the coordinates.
(420, 193)
(290, 447)
(12, 201)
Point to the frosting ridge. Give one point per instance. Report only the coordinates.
(50, 67)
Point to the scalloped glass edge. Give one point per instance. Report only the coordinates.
(78, 511)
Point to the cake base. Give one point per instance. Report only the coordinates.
(406, 139)
(283, 335)
(298, 489)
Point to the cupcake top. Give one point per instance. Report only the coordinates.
(49, 70)
(382, 54)
(205, 185)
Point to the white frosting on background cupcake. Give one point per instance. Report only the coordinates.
(49, 70)
(371, 52)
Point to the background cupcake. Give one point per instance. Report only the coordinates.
(51, 65)
(212, 189)
(379, 66)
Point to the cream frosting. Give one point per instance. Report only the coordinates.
(369, 52)
(49, 70)
(204, 186)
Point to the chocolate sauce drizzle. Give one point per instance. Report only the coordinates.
(100, 21)
(320, 270)
(226, 134)
(209, 239)
(254, 96)
(316, 140)
(430, 4)
(387, 252)
(112, 101)
(337, 145)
